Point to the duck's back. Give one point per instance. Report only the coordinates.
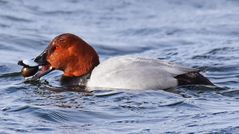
(136, 73)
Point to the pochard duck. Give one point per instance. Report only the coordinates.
(77, 59)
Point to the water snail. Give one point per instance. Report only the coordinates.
(29, 68)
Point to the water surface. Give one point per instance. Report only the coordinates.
(201, 34)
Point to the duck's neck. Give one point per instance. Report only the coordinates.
(74, 81)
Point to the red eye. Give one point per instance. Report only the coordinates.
(52, 49)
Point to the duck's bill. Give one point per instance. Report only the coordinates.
(46, 68)
(39, 62)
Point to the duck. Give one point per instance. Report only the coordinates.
(78, 60)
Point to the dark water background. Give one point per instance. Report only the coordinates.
(198, 33)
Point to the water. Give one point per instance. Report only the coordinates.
(201, 34)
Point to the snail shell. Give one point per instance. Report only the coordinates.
(29, 71)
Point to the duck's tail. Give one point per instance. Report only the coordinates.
(193, 78)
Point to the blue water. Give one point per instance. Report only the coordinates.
(196, 33)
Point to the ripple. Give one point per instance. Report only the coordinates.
(23, 109)
(12, 74)
(51, 116)
(14, 18)
(3, 1)
(114, 50)
(231, 93)
(151, 31)
(4, 25)
(224, 53)
(141, 32)
(59, 12)
(4, 68)
(221, 50)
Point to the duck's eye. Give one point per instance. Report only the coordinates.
(52, 49)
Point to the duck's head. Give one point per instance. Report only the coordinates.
(69, 53)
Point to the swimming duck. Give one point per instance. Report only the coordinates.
(77, 59)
